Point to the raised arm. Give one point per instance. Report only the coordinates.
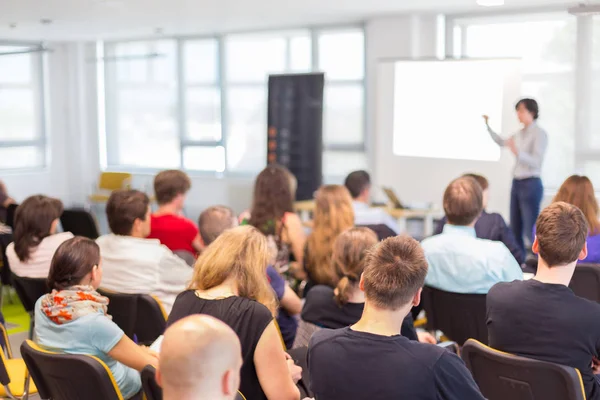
(495, 137)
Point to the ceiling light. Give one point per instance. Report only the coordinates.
(490, 3)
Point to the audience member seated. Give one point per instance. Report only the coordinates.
(491, 226)
(73, 319)
(229, 284)
(370, 359)
(460, 262)
(5, 201)
(542, 318)
(132, 263)
(333, 215)
(200, 358)
(214, 221)
(273, 214)
(579, 191)
(35, 237)
(168, 225)
(344, 305)
(358, 184)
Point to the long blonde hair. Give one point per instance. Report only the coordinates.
(579, 191)
(348, 259)
(333, 215)
(242, 254)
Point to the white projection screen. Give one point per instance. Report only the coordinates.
(438, 107)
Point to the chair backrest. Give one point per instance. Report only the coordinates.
(29, 290)
(586, 281)
(140, 316)
(304, 333)
(10, 215)
(69, 376)
(114, 181)
(151, 388)
(381, 230)
(460, 316)
(79, 222)
(502, 376)
(186, 256)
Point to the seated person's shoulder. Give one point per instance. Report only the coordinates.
(507, 291)
(323, 336)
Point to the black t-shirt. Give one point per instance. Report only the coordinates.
(321, 309)
(346, 364)
(246, 317)
(546, 322)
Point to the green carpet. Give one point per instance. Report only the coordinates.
(17, 319)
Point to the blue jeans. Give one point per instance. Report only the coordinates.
(525, 199)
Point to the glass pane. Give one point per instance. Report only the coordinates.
(17, 115)
(15, 68)
(247, 129)
(21, 157)
(343, 114)
(342, 54)
(134, 69)
(146, 129)
(204, 158)
(203, 113)
(341, 163)
(251, 58)
(201, 61)
(164, 66)
(300, 54)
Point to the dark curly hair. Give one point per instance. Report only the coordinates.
(273, 197)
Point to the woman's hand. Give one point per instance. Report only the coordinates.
(512, 146)
(486, 118)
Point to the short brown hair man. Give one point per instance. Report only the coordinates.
(553, 323)
(215, 220)
(463, 201)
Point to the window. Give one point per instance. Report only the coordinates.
(22, 137)
(546, 45)
(201, 104)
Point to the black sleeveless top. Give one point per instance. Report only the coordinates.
(246, 317)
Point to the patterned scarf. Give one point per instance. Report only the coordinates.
(75, 302)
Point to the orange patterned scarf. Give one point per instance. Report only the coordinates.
(75, 302)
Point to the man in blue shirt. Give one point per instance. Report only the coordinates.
(491, 225)
(459, 262)
(358, 184)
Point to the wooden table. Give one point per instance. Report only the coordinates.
(306, 208)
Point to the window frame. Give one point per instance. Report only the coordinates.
(38, 82)
(107, 127)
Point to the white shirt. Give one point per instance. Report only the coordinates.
(366, 215)
(134, 265)
(40, 257)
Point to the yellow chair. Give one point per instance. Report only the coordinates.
(14, 378)
(109, 182)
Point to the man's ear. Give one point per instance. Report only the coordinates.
(584, 253)
(158, 377)
(228, 383)
(417, 299)
(361, 284)
(535, 247)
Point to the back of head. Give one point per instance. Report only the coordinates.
(214, 221)
(241, 254)
(33, 222)
(123, 208)
(333, 215)
(356, 182)
(463, 201)
(395, 271)
(72, 261)
(348, 259)
(198, 354)
(561, 233)
(273, 197)
(170, 184)
(579, 191)
(482, 180)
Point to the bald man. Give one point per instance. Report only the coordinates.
(200, 359)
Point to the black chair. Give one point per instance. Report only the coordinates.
(502, 376)
(79, 222)
(29, 291)
(383, 231)
(153, 391)
(140, 316)
(459, 316)
(69, 376)
(10, 215)
(586, 281)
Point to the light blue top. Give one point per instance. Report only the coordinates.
(366, 215)
(94, 335)
(459, 262)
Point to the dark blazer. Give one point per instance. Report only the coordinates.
(493, 227)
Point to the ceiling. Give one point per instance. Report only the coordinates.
(106, 19)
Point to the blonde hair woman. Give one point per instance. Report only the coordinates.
(230, 284)
(333, 215)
